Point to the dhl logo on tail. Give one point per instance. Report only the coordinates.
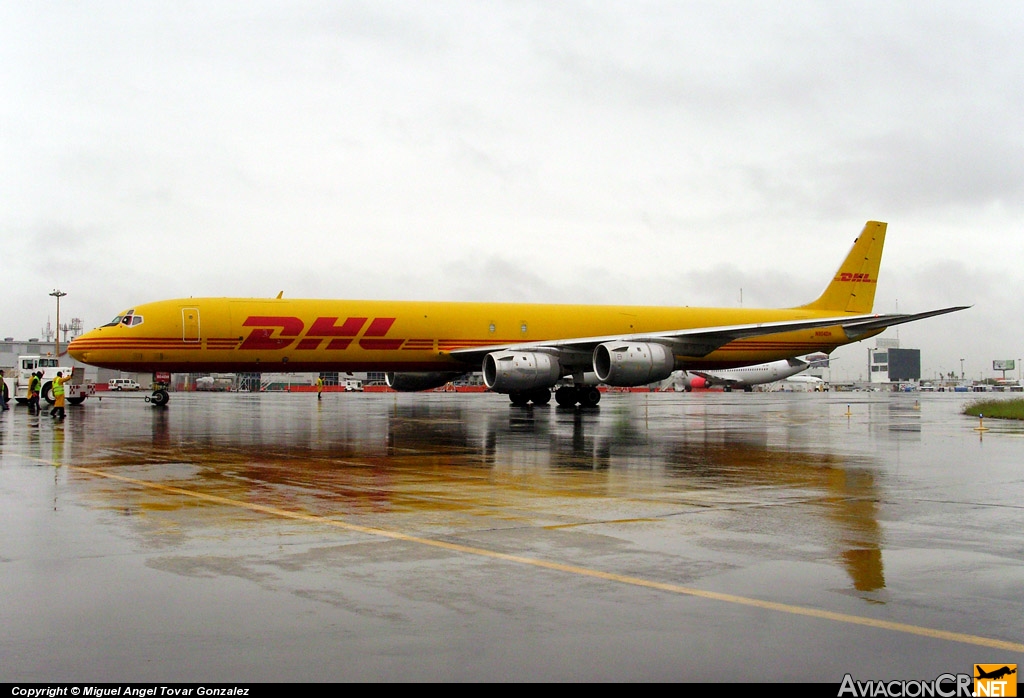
(855, 278)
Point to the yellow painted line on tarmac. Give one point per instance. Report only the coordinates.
(570, 569)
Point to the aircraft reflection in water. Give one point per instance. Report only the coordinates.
(461, 461)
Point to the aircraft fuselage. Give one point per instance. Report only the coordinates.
(235, 334)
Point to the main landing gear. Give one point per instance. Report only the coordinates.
(566, 396)
(538, 396)
(586, 396)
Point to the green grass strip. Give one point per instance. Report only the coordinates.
(997, 409)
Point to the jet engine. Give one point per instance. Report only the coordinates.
(514, 371)
(698, 382)
(691, 381)
(632, 363)
(414, 382)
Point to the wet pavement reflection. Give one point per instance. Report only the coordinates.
(455, 537)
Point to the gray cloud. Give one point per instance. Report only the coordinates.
(658, 153)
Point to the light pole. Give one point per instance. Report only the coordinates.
(962, 375)
(58, 294)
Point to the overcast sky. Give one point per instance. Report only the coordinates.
(661, 153)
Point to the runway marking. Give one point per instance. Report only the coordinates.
(562, 567)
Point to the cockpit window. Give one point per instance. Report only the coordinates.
(128, 319)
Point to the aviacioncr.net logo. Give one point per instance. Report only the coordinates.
(943, 686)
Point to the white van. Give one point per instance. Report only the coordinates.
(123, 384)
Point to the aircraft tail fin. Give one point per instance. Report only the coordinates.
(852, 289)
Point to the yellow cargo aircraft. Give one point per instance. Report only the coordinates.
(524, 350)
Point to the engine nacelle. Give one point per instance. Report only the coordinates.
(698, 382)
(414, 382)
(512, 371)
(632, 363)
(689, 381)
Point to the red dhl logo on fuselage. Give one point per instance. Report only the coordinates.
(849, 276)
(274, 333)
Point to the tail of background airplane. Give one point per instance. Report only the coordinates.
(853, 288)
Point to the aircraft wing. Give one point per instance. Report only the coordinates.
(870, 324)
(702, 341)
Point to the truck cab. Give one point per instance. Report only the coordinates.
(75, 389)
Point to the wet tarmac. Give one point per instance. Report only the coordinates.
(698, 537)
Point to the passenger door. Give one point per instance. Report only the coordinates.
(190, 324)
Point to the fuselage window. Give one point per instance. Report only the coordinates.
(129, 319)
(126, 318)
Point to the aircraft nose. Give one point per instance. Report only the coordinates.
(81, 347)
(75, 348)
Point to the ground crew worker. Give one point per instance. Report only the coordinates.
(319, 387)
(33, 393)
(58, 396)
(5, 395)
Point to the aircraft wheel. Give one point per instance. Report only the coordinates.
(159, 398)
(76, 400)
(519, 399)
(589, 397)
(541, 396)
(688, 389)
(47, 392)
(748, 389)
(566, 396)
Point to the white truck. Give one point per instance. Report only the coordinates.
(75, 389)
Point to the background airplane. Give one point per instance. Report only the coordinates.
(745, 377)
(810, 383)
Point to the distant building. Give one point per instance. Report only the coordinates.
(887, 363)
(904, 365)
(11, 349)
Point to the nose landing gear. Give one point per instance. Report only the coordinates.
(160, 397)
